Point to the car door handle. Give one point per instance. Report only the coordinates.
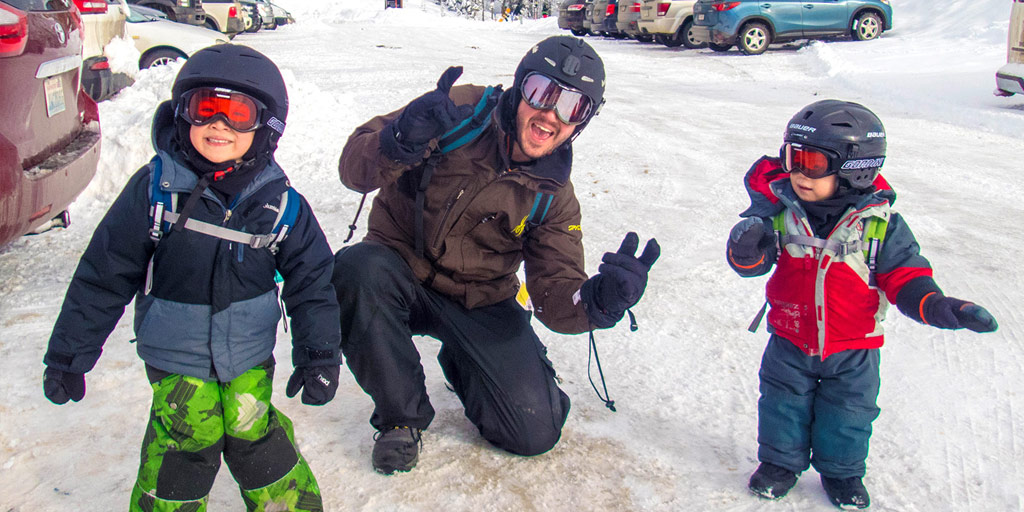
(766, 6)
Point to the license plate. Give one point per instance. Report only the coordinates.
(54, 89)
(700, 17)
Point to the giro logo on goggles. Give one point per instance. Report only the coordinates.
(866, 163)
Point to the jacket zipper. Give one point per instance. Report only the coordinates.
(444, 217)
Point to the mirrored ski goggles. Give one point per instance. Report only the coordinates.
(570, 105)
(204, 105)
(807, 160)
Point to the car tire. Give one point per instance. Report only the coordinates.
(257, 22)
(160, 57)
(578, 32)
(645, 38)
(660, 39)
(674, 40)
(720, 47)
(686, 36)
(867, 26)
(754, 38)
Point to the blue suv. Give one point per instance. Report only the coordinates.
(753, 25)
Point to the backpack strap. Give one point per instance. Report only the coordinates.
(874, 234)
(463, 133)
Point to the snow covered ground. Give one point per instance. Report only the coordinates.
(665, 159)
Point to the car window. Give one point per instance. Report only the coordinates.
(40, 5)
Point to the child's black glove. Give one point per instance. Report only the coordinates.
(620, 282)
(423, 119)
(60, 386)
(949, 313)
(318, 384)
(749, 241)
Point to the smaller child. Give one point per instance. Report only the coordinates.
(821, 213)
(206, 302)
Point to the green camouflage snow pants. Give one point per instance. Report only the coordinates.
(194, 422)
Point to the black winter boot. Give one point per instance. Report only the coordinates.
(771, 481)
(396, 449)
(846, 493)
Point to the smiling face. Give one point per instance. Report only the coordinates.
(811, 190)
(539, 133)
(218, 143)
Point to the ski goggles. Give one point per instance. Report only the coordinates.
(543, 93)
(817, 162)
(204, 105)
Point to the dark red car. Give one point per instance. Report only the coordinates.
(50, 134)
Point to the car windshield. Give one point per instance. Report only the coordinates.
(137, 17)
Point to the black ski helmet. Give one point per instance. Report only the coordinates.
(242, 69)
(571, 61)
(852, 133)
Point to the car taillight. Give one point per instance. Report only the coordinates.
(576, 7)
(233, 12)
(101, 63)
(13, 31)
(663, 8)
(610, 11)
(91, 6)
(636, 7)
(725, 6)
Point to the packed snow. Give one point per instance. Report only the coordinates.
(665, 159)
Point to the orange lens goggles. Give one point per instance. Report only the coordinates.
(810, 161)
(205, 105)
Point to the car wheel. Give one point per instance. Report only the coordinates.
(257, 22)
(754, 38)
(720, 47)
(867, 26)
(578, 32)
(647, 38)
(160, 57)
(659, 38)
(673, 40)
(686, 36)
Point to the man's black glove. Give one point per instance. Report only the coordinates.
(423, 119)
(318, 384)
(60, 386)
(620, 282)
(949, 313)
(749, 243)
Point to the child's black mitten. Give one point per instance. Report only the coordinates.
(60, 386)
(950, 313)
(318, 384)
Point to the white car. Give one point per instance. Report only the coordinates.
(160, 41)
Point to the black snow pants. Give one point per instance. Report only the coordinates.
(490, 355)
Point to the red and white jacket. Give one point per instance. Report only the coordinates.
(821, 296)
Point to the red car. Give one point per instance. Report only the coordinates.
(50, 134)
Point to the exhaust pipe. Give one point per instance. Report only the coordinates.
(61, 221)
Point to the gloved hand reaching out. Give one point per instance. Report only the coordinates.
(424, 118)
(620, 282)
(949, 313)
(60, 386)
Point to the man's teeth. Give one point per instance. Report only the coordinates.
(545, 130)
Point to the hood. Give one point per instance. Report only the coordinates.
(768, 186)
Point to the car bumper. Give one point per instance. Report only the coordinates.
(704, 34)
(235, 25)
(661, 25)
(101, 84)
(189, 15)
(58, 180)
(1010, 79)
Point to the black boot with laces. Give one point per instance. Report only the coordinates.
(396, 449)
(771, 481)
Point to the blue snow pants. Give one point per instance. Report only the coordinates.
(816, 412)
(490, 355)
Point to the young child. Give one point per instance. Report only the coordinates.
(206, 301)
(843, 254)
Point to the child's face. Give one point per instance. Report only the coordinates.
(811, 189)
(218, 143)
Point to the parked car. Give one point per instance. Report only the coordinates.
(588, 16)
(669, 21)
(753, 25)
(251, 18)
(101, 24)
(570, 16)
(1010, 78)
(189, 12)
(267, 13)
(281, 16)
(626, 20)
(160, 40)
(603, 20)
(50, 140)
(224, 16)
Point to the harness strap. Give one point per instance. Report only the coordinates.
(231, 235)
(841, 249)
